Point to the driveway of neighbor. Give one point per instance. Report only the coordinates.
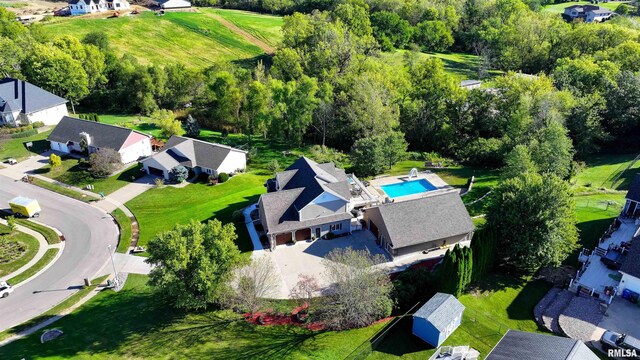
(119, 197)
(619, 318)
(26, 166)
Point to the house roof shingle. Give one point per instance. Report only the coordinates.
(18, 94)
(102, 135)
(196, 153)
(522, 345)
(634, 189)
(425, 219)
(440, 310)
(631, 263)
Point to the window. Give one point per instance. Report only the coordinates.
(334, 227)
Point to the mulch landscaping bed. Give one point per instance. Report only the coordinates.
(268, 318)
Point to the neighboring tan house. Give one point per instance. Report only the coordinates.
(76, 135)
(589, 13)
(520, 345)
(310, 200)
(173, 4)
(632, 204)
(428, 223)
(196, 155)
(82, 7)
(22, 103)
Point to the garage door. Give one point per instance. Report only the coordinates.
(303, 234)
(156, 172)
(282, 239)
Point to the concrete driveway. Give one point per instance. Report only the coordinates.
(27, 166)
(88, 232)
(119, 197)
(622, 317)
(306, 257)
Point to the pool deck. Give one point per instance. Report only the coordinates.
(376, 184)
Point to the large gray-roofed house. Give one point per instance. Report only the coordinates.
(522, 345)
(421, 224)
(23, 103)
(71, 134)
(306, 200)
(196, 155)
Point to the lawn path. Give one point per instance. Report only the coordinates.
(245, 35)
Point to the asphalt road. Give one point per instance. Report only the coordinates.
(87, 230)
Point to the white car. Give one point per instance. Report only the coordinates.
(12, 161)
(5, 289)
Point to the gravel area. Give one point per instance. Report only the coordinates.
(554, 309)
(581, 318)
(544, 302)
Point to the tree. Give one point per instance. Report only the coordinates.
(390, 30)
(179, 174)
(533, 217)
(393, 147)
(306, 288)
(255, 110)
(11, 57)
(227, 98)
(518, 162)
(552, 151)
(254, 283)
(103, 162)
(361, 291)
(367, 157)
(191, 127)
(98, 39)
(195, 263)
(55, 160)
(11, 223)
(433, 36)
(293, 106)
(168, 124)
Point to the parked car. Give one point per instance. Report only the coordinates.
(5, 289)
(613, 340)
(25, 207)
(12, 161)
(65, 11)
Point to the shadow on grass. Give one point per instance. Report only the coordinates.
(590, 232)
(521, 308)
(401, 341)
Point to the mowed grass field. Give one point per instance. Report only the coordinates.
(559, 8)
(195, 39)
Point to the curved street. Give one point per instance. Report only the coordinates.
(87, 230)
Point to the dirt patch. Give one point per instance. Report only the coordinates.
(245, 35)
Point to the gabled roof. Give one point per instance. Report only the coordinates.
(194, 153)
(440, 310)
(300, 184)
(522, 345)
(425, 219)
(631, 263)
(102, 135)
(26, 97)
(634, 189)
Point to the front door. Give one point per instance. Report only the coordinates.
(317, 233)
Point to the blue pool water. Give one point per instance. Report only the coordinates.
(408, 188)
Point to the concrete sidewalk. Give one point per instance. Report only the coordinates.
(131, 264)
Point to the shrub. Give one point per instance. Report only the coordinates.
(24, 134)
(213, 180)
(238, 217)
(103, 162)
(11, 223)
(179, 174)
(223, 177)
(273, 165)
(159, 182)
(55, 160)
(37, 124)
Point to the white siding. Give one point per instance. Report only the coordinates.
(151, 162)
(629, 282)
(234, 161)
(135, 151)
(50, 116)
(176, 4)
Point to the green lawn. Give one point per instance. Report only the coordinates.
(463, 66)
(39, 265)
(30, 248)
(124, 223)
(49, 234)
(135, 324)
(63, 190)
(559, 8)
(191, 38)
(15, 148)
(75, 173)
(602, 169)
(498, 304)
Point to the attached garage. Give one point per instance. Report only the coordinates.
(155, 171)
(303, 234)
(282, 239)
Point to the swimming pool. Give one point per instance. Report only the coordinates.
(408, 188)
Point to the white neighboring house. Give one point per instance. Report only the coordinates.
(118, 4)
(82, 7)
(196, 155)
(22, 103)
(590, 13)
(72, 135)
(173, 4)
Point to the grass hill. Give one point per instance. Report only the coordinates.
(197, 39)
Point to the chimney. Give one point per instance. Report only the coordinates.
(15, 88)
(24, 98)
